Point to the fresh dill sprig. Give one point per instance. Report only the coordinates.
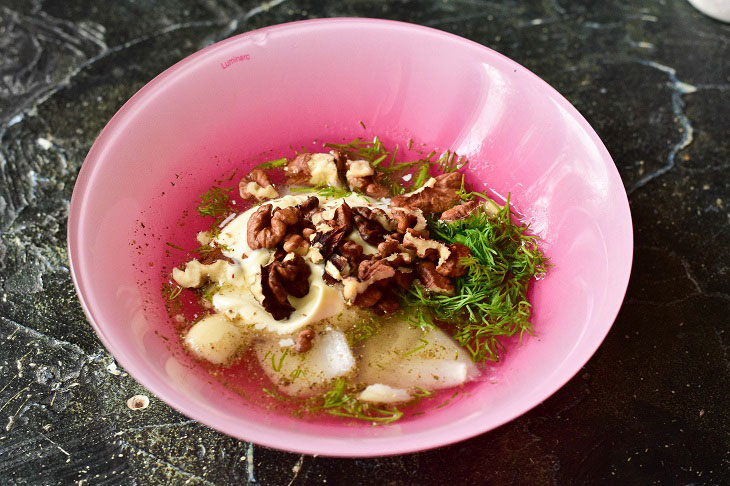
(490, 301)
(171, 245)
(419, 392)
(215, 202)
(324, 191)
(360, 149)
(451, 162)
(421, 176)
(277, 367)
(171, 291)
(341, 401)
(424, 343)
(466, 195)
(273, 164)
(363, 330)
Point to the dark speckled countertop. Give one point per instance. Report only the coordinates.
(653, 404)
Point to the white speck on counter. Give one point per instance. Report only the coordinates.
(112, 369)
(138, 402)
(249, 464)
(44, 143)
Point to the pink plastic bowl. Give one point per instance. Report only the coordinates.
(290, 85)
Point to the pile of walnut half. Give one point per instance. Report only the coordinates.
(311, 232)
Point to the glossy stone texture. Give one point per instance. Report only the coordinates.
(651, 406)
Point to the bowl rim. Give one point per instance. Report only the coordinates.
(289, 440)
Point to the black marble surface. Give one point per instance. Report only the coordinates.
(652, 406)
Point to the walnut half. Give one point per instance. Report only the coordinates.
(266, 230)
(257, 185)
(280, 279)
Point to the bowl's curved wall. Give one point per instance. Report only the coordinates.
(311, 81)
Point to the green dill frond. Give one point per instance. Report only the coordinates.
(323, 191)
(341, 401)
(360, 149)
(215, 202)
(423, 344)
(273, 164)
(450, 162)
(466, 195)
(171, 291)
(421, 175)
(490, 301)
(277, 366)
(363, 330)
(174, 246)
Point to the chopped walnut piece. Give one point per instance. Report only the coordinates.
(451, 267)
(388, 247)
(352, 251)
(341, 163)
(374, 270)
(295, 243)
(280, 279)
(375, 189)
(335, 230)
(387, 304)
(425, 248)
(308, 232)
(369, 224)
(429, 200)
(404, 277)
(368, 298)
(451, 180)
(337, 268)
(431, 279)
(459, 212)
(399, 259)
(213, 256)
(371, 274)
(328, 241)
(404, 220)
(343, 218)
(257, 185)
(436, 196)
(309, 205)
(278, 308)
(265, 230)
(304, 340)
(361, 177)
(297, 170)
(358, 173)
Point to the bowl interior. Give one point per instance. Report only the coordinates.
(254, 97)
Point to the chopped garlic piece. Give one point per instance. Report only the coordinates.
(216, 339)
(379, 393)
